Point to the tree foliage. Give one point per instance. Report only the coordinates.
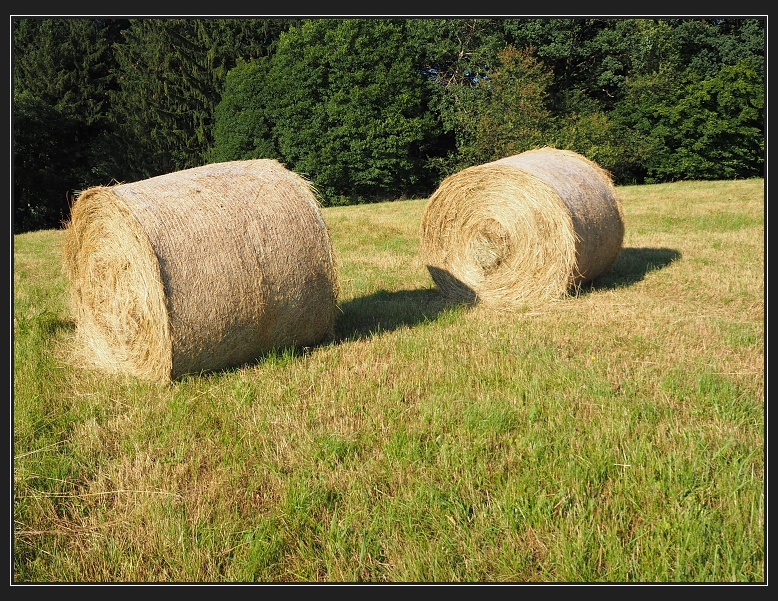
(171, 73)
(374, 109)
(62, 78)
(243, 123)
(699, 128)
(513, 116)
(348, 108)
(454, 55)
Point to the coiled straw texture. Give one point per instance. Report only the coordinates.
(198, 270)
(527, 228)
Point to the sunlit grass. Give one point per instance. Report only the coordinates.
(615, 436)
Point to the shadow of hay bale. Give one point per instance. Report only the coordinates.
(451, 286)
(631, 266)
(385, 311)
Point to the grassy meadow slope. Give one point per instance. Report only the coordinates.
(614, 436)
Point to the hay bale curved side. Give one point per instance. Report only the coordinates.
(224, 263)
(525, 228)
(588, 192)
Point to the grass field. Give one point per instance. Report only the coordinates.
(614, 436)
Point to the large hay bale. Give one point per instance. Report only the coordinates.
(529, 227)
(199, 270)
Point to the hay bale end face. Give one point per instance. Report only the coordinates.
(199, 270)
(526, 228)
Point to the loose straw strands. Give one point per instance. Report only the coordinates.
(531, 227)
(199, 270)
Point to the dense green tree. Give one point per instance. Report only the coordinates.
(43, 176)
(596, 109)
(171, 74)
(589, 58)
(243, 125)
(692, 127)
(742, 40)
(704, 46)
(62, 77)
(453, 56)
(588, 61)
(713, 128)
(66, 63)
(378, 108)
(513, 116)
(349, 110)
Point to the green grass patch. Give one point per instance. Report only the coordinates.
(615, 436)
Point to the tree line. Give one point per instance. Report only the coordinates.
(375, 109)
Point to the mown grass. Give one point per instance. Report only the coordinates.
(614, 436)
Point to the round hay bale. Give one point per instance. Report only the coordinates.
(529, 227)
(199, 270)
